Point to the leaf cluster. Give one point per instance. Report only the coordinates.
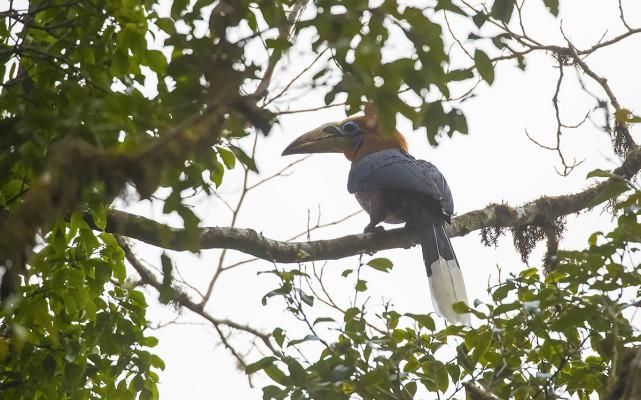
(77, 328)
(540, 336)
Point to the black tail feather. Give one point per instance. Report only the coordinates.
(446, 280)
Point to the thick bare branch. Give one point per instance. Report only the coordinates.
(248, 241)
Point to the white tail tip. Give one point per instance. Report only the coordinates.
(448, 287)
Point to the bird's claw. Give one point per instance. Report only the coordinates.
(410, 226)
(373, 229)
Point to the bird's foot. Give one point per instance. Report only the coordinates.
(411, 226)
(373, 229)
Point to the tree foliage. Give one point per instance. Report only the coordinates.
(543, 336)
(109, 99)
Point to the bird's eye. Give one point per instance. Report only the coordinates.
(350, 127)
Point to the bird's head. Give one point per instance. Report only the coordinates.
(355, 137)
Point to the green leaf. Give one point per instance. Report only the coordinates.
(351, 313)
(40, 312)
(177, 7)
(484, 66)
(459, 75)
(99, 216)
(276, 374)
(166, 24)
(279, 336)
(73, 374)
(423, 320)
(323, 319)
(529, 272)
(137, 298)
(454, 371)
(296, 371)
(412, 365)
(483, 342)
(244, 158)
(102, 271)
(259, 365)
(217, 173)
(157, 362)
(283, 290)
(553, 6)
(278, 44)
(345, 273)
(479, 19)
(501, 292)
(457, 121)
(381, 264)
(442, 378)
(361, 285)
(119, 271)
(150, 341)
(448, 6)
(273, 392)
(227, 156)
(507, 307)
(410, 389)
(119, 63)
(307, 299)
(460, 307)
(156, 60)
(502, 10)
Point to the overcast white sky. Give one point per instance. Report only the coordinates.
(495, 163)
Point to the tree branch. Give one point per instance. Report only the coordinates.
(60, 191)
(275, 56)
(182, 299)
(628, 379)
(249, 241)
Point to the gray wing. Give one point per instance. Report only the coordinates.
(447, 201)
(394, 169)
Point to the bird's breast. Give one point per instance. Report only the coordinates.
(374, 202)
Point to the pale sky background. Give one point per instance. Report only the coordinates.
(494, 163)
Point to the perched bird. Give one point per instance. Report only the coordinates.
(394, 187)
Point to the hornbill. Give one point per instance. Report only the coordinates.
(394, 187)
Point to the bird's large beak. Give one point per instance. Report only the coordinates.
(324, 139)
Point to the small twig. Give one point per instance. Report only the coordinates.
(183, 300)
(284, 33)
(603, 82)
(306, 110)
(567, 169)
(620, 128)
(277, 174)
(222, 199)
(456, 39)
(578, 124)
(622, 16)
(234, 218)
(293, 80)
(519, 9)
